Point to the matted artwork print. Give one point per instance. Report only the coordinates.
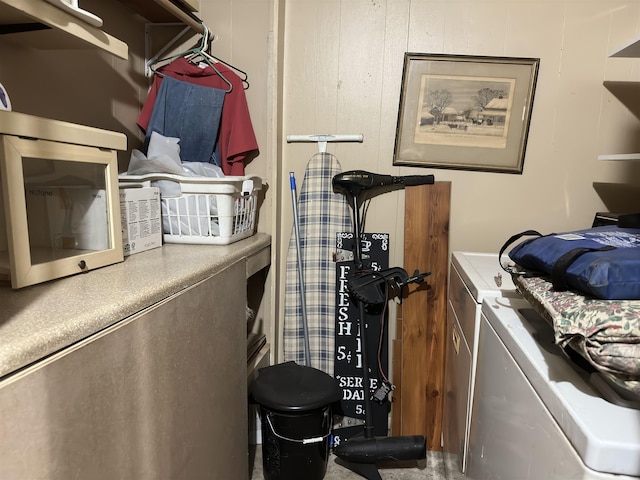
(465, 112)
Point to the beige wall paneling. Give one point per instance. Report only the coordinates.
(275, 105)
(246, 37)
(309, 105)
(367, 52)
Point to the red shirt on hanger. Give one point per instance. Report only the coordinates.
(237, 141)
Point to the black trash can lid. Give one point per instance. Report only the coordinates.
(290, 387)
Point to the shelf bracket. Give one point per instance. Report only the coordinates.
(148, 60)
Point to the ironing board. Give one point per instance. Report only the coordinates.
(322, 214)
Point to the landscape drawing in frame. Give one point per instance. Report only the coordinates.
(465, 112)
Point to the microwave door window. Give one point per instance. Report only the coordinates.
(67, 208)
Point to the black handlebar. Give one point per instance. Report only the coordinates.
(413, 180)
(355, 182)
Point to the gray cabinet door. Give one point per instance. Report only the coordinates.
(161, 395)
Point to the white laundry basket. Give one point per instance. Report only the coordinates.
(203, 210)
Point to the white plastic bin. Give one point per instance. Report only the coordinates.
(203, 210)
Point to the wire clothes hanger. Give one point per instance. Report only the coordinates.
(192, 54)
(244, 77)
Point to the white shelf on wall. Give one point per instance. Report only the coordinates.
(55, 28)
(42, 25)
(629, 157)
(630, 50)
(627, 93)
(159, 11)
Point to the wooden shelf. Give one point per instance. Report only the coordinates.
(630, 50)
(628, 157)
(23, 125)
(627, 93)
(41, 25)
(62, 31)
(155, 12)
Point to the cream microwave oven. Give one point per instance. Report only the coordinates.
(60, 208)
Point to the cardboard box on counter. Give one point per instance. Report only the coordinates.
(141, 219)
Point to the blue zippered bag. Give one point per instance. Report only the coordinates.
(603, 262)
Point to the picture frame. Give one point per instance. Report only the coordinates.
(465, 112)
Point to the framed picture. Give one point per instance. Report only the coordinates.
(465, 112)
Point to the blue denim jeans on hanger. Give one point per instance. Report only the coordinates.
(191, 113)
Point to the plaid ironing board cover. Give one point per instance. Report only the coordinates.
(322, 213)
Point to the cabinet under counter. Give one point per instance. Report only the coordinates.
(135, 370)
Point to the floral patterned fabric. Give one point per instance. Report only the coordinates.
(605, 332)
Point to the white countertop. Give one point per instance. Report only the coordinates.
(42, 319)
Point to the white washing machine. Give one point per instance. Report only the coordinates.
(535, 416)
(472, 277)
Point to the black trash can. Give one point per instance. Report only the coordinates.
(296, 415)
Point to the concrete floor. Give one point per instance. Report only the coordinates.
(432, 468)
